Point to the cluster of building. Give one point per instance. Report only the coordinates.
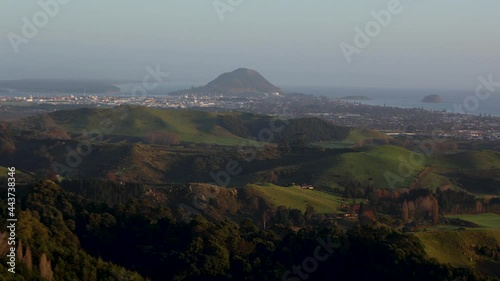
(388, 119)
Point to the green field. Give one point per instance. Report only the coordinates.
(366, 167)
(358, 165)
(470, 160)
(338, 168)
(298, 198)
(364, 134)
(376, 166)
(5, 170)
(483, 220)
(191, 126)
(355, 137)
(475, 171)
(460, 248)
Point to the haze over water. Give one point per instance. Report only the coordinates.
(430, 44)
(406, 98)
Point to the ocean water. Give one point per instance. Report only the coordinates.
(404, 98)
(412, 98)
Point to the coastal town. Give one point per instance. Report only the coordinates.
(388, 119)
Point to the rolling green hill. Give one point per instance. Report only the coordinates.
(356, 138)
(21, 178)
(471, 248)
(338, 168)
(298, 198)
(366, 167)
(471, 160)
(475, 171)
(138, 122)
(378, 166)
(3, 171)
(136, 143)
(487, 220)
(365, 134)
(172, 126)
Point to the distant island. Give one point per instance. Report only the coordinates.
(355, 98)
(432, 99)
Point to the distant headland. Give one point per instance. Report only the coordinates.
(240, 82)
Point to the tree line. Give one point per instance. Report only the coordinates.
(75, 238)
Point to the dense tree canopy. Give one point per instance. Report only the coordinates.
(71, 237)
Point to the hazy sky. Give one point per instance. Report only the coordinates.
(429, 44)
